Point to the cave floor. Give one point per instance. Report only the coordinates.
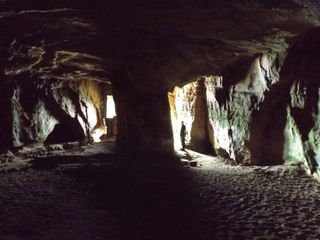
(86, 195)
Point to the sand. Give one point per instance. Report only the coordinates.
(91, 196)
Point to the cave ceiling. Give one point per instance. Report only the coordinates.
(167, 42)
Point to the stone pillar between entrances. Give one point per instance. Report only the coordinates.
(6, 91)
(143, 117)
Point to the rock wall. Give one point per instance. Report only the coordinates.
(257, 115)
(52, 112)
(160, 45)
(300, 77)
(235, 108)
(223, 110)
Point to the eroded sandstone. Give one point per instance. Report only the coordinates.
(57, 59)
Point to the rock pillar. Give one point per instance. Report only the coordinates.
(200, 126)
(6, 114)
(143, 116)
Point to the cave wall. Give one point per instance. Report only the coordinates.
(93, 99)
(31, 120)
(264, 110)
(50, 50)
(51, 111)
(236, 109)
(301, 74)
(224, 109)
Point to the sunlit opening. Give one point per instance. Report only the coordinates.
(111, 119)
(111, 110)
(181, 109)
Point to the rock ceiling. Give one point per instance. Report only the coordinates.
(159, 41)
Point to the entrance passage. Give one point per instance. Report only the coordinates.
(110, 109)
(189, 105)
(182, 108)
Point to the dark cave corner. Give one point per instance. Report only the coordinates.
(63, 133)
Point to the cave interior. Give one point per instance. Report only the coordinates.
(119, 77)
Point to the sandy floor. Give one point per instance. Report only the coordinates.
(90, 196)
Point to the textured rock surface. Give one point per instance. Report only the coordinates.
(143, 117)
(301, 84)
(224, 109)
(235, 109)
(55, 113)
(52, 88)
(158, 45)
(49, 108)
(259, 117)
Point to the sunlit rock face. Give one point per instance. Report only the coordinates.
(79, 111)
(70, 111)
(188, 104)
(264, 110)
(182, 106)
(249, 83)
(224, 110)
(52, 87)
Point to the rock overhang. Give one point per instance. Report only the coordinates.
(51, 44)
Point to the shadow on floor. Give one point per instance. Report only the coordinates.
(147, 202)
(144, 198)
(187, 155)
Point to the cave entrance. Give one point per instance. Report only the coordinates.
(181, 109)
(188, 104)
(110, 116)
